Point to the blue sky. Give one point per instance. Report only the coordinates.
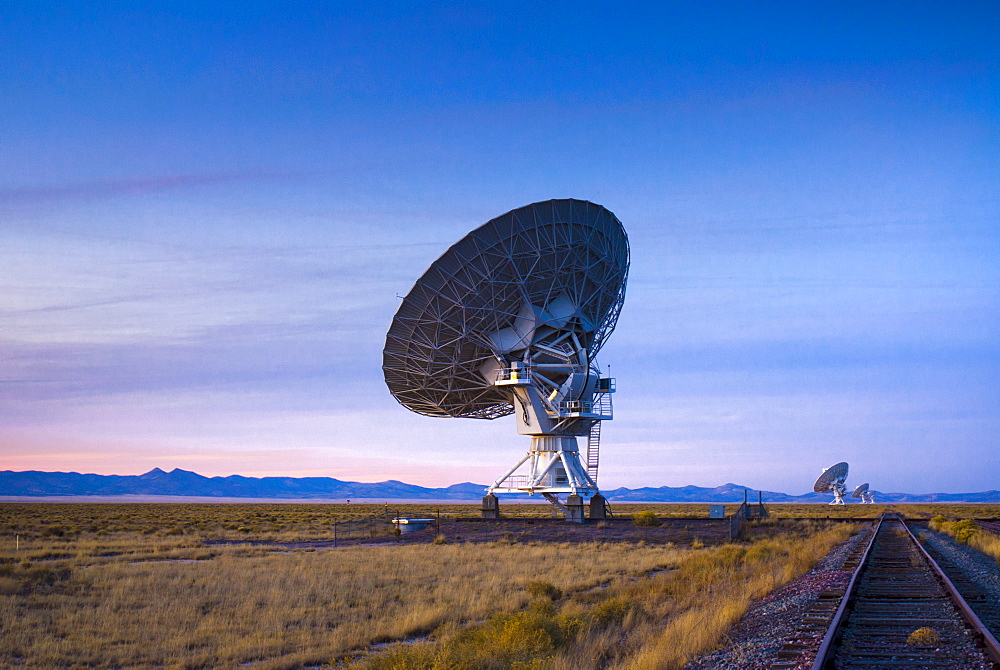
(207, 212)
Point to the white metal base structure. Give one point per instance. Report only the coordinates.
(553, 466)
(838, 495)
(868, 499)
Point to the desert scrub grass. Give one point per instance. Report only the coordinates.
(540, 589)
(968, 532)
(923, 637)
(525, 640)
(246, 604)
(645, 518)
(854, 511)
(659, 620)
(687, 614)
(311, 521)
(963, 531)
(229, 521)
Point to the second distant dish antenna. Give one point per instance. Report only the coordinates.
(509, 321)
(867, 495)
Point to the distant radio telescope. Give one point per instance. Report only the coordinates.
(867, 495)
(508, 321)
(832, 481)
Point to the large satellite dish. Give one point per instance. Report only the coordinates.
(508, 321)
(863, 492)
(832, 481)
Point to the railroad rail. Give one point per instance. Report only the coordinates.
(897, 589)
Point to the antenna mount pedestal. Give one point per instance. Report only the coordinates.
(554, 467)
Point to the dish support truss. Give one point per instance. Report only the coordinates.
(551, 266)
(558, 396)
(838, 490)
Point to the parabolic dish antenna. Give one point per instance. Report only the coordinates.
(832, 481)
(862, 491)
(508, 321)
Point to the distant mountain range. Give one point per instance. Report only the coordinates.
(734, 493)
(179, 482)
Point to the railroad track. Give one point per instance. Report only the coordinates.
(895, 590)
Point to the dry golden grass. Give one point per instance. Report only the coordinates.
(311, 521)
(859, 511)
(102, 585)
(988, 543)
(712, 591)
(260, 521)
(969, 533)
(956, 510)
(656, 621)
(923, 636)
(815, 511)
(126, 600)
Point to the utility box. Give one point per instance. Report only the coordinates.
(716, 511)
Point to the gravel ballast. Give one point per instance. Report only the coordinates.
(976, 575)
(770, 622)
(974, 565)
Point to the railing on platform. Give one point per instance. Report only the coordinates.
(600, 405)
(516, 482)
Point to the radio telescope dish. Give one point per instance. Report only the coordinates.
(863, 492)
(832, 481)
(508, 321)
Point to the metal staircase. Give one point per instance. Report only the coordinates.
(594, 450)
(602, 405)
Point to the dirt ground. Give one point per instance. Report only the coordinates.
(681, 532)
(678, 531)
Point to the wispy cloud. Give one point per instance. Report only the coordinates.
(110, 188)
